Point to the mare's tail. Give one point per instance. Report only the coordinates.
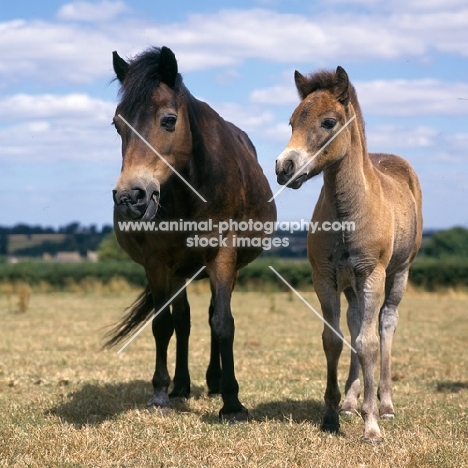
(139, 311)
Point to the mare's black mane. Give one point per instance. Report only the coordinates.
(142, 77)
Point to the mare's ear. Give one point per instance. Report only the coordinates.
(302, 85)
(167, 67)
(120, 66)
(342, 86)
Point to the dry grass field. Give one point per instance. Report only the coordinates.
(65, 403)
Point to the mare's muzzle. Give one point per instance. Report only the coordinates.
(137, 202)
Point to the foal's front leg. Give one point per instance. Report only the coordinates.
(353, 384)
(332, 345)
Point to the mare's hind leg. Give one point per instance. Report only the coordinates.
(353, 385)
(332, 345)
(395, 286)
(163, 328)
(213, 373)
(181, 318)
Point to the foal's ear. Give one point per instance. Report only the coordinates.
(342, 86)
(302, 85)
(167, 67)
(120, 66)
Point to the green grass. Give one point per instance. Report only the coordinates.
(63, 402)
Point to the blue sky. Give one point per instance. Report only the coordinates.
(60, 158)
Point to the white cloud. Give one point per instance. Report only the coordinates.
(75, 105)
(75, 52)
(94, 12)
(412, 97)
(388, 97)
(50, 128)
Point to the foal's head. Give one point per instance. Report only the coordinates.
(151, 104)
(328, 102)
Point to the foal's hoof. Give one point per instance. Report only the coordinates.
(387, 416)
(373, 440)
(241, 416)
(347, 413)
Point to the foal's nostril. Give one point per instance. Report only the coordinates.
(289, 167)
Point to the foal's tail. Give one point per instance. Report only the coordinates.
(139, 311)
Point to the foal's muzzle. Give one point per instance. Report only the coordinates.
(137, 202)
(286, 168)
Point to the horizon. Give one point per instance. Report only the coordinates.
(60, 157)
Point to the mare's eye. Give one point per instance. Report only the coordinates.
(168, 122)
(328, 124)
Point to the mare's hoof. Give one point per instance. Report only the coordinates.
(387, 416)
(179, 393)
(160, 400)
(160, 411)
(241, 416)
(331, 423)
(331, 428)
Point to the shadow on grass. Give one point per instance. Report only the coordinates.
(296, 411)
(448, 386)
(94, 403)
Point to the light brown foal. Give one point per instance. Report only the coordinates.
(380, 194)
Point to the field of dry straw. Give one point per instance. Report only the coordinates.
(63, 402)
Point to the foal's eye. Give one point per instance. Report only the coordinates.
(168, 122)
(328, 124)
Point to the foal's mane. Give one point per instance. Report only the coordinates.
(142, 77)
(326, 80)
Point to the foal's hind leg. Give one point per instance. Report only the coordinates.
(353, 385)
(181, 317)
(395, 286)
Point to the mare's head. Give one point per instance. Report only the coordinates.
(328, 102)
(153, 104)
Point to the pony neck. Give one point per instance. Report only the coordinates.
(346, 182)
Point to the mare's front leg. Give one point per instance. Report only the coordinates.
(222, 273)
(163, 328)
(213, 373)
(332, 345)
(181, 318)
(367, 347)
(395, 286)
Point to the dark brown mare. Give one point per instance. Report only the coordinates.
(380, 194)
(208, 158)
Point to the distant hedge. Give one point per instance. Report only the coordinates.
(59, 275)
(426, 274)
